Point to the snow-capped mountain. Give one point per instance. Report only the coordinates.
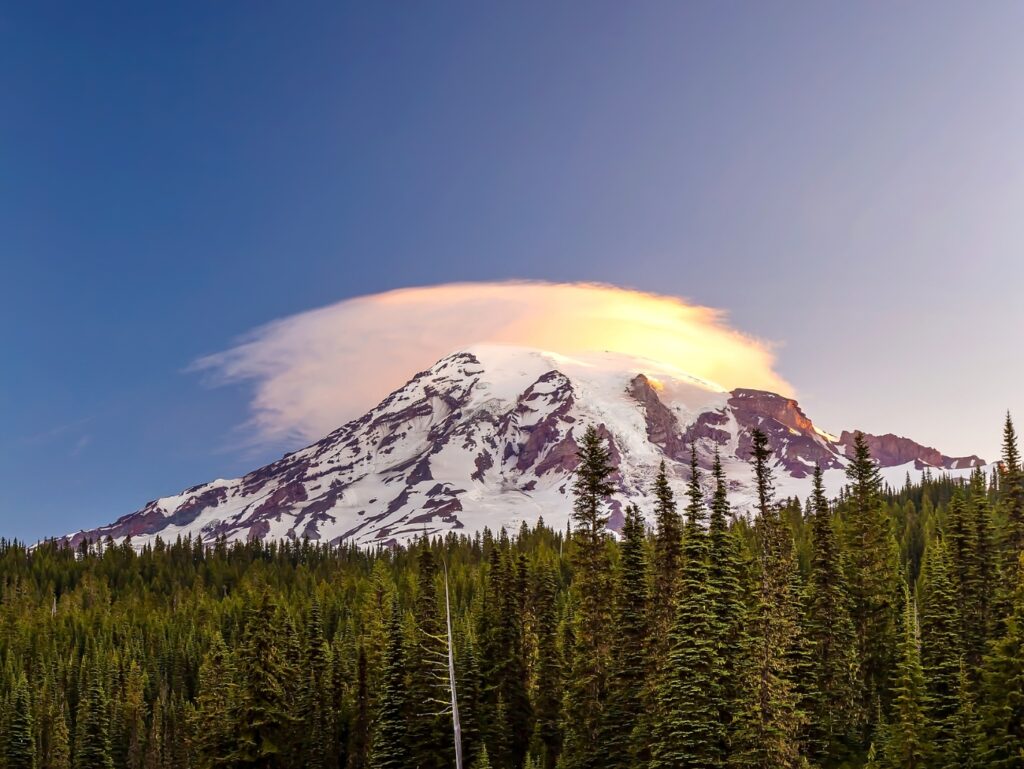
(487, 437)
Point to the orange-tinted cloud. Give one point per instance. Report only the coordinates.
(315, 370)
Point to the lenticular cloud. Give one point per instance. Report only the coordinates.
(314, 371)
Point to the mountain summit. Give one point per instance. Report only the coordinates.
(487, 437)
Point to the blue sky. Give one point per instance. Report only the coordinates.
(844, 179)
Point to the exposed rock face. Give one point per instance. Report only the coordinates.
(488, 437)
(892, 449)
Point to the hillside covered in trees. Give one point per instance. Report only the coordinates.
(882, 629)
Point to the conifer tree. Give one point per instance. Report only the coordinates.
(629, 658)
(263, 714)
(940, 643)
(830, 637)
(1011, 487)
(727, 599)
(668, 551)
(872, 575)
(92, 739)
(547, 687)
(769, 723)
(20, 747)
(215, 703)
(429, 729)
(962, 751)
(390, 747)
(359, 738)
(317, 725)
(1002, 711)
(909, 745)
(587, 681)
(689, 732)
(58, 754)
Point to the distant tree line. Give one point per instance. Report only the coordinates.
(881, 629)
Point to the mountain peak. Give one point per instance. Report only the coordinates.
(487, 437)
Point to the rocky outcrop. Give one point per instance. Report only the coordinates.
(890, 450)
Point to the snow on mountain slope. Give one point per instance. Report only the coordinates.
(487, 437)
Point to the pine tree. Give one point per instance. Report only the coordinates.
(215, 704)
(629, 657)
(92, 738)
(547, 687)
(940, 643)
(263, 714)
(909, 745)
(587, 681)
(1002, 711)
(872, 575)
(830, 636)
(429, 728)
(359, 739)
(668, 553)
(1011, 487)
(58, 755)
(20, 748)
(962, 751)
(689, 732)
(727, 599)
(390, 739)
(769, 724)
(317, 726)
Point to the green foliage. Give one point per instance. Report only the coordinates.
(772, 643)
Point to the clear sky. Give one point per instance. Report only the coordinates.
(844, 179)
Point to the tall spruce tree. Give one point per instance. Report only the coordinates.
(20, 747)
(92, 738)
(767, 735)
(909, 744)
(429, 726)
(872, 576)
(940, 642)
(629, 655)
(1002, 711)
(689, 732)
(390, 745)
(214, 727)
(548, 669)
(727, 599)
(1011, 488)
(668, 554)
(587, 683)
(830, 636)
(263, 711)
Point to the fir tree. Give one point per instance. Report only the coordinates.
(629, 658)
(830, 637)
(588, 677)
(940, 643)
(92, 737)
(429, 728)
(909, 745)
(1002, 712)
(1011, 487)
(390, 739)
(689, 732)
(547, 688)
(668, 550)
(263, 715)
(872, 575)
(769, 723)
(727, 600)
(214, 711)
(20, 742)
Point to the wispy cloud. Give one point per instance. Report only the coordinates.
(315, 370)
